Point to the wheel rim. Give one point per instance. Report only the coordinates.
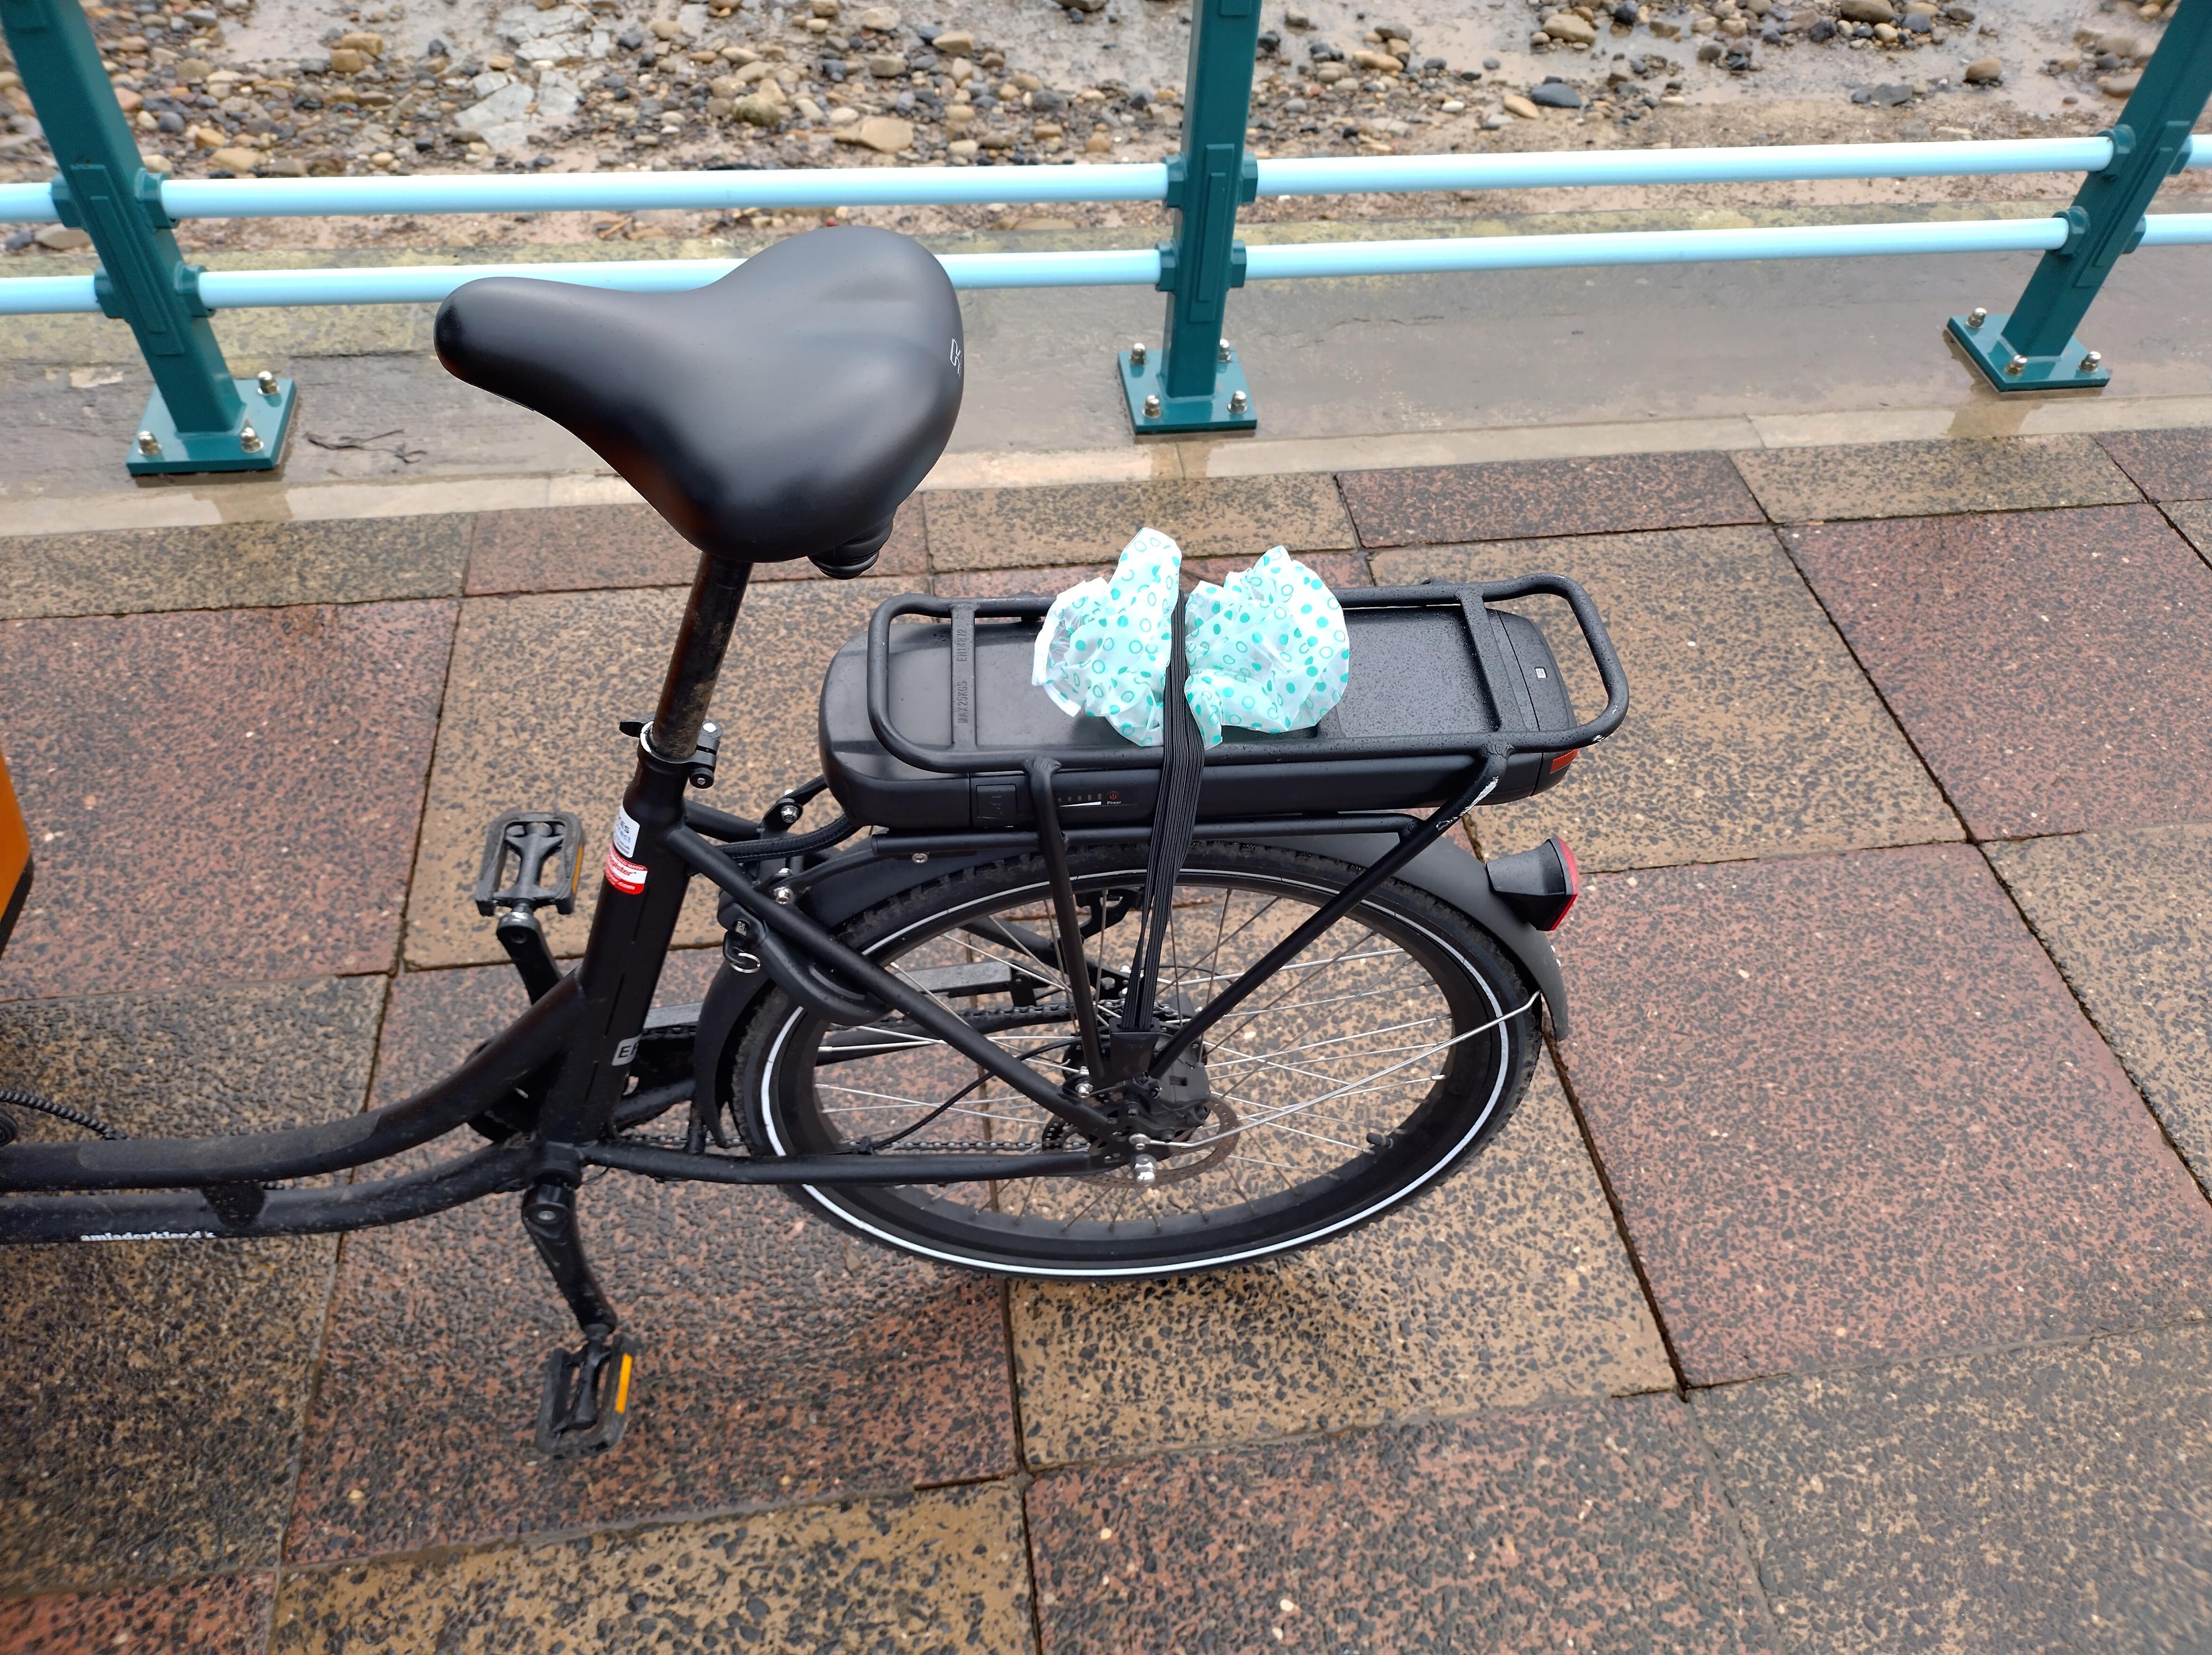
(1382, 1027)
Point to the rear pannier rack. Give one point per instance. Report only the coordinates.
(929, 726)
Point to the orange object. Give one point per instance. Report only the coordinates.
(15, 856)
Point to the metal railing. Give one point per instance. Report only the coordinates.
(200, 418)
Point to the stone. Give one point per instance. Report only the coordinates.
(193, 69)
(60, 238)
(879, 17)
(1382, 63)
(1984, 72)
(343, 62)
(665, 28)
(1097, 144)
(844, 115)
(1045, 129)
(1867, 11)
(1555, 95)
(361, 41)
(2119, 86)
(1516, 105)
(963, 149)
(886, 135)
(2120, 46)
(885, 65)
(956, 43)
(1566, 26)
(759, 109)
(235, 159)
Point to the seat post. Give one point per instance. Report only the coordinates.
(717, 592)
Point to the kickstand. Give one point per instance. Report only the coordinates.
(585, 1405)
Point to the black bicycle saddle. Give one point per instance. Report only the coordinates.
(783, 411)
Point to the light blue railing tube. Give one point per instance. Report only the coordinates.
(429, 284)
(1374, 174)
(282, 198)
(492, 192)
(426, 284)
(2176, 229)
(1647, 247)
(46, 295)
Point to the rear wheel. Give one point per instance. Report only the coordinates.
(1377, 1061)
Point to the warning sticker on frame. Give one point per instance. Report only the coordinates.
(625, 834)
(622, 873)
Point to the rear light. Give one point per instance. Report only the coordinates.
(1560, 761)
(1541, 884)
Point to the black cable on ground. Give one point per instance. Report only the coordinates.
(30, 1100)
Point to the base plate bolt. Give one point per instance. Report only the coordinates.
(1136, 354)
(2017, 365)
(1151, 407)
(1238, 402)
(1977, 316)
(2092, 361)
(249, 439)
(1225, 351)
(267, 382)
(148, 443)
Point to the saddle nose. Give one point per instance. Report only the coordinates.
(783, 411)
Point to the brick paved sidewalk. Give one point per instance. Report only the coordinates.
(1844, 1286)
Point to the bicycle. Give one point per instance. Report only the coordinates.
(1036, 1001)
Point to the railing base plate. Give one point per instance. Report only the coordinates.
(1986, 347)
(176, 451)
(1227, 409)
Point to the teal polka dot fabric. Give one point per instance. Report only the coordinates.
(1268, 648)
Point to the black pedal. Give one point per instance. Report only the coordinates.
(544, 851)
(589, 1394)
(544, 847)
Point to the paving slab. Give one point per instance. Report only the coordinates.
(1749, 727)
(1090, 522)
(1850, 1114)
(538, 683)
(228, 1615)
(226, 796)
(1589, 1526)
(2194, 519)
(781, 1360)
(2126, 915)
(2049, 666)
(2023, 1502)
(1339, 569)
(1506, 1286)
(157, 1389)
(233, 565)
(2174, 465)
(939, 1573)
(583, 548)
(1926, 479)
(1522, 500)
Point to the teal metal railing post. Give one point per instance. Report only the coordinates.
(1194, 382)
(199, 418)
(2032, 347)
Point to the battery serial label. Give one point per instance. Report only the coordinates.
(622, 873)
(625, 834)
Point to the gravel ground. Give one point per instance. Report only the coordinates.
(293, 87)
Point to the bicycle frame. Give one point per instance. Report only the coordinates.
(571, 1053)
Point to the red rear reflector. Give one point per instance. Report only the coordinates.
(1560, 761)
(1574, 877)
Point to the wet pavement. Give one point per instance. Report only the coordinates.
(1844, 1284)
